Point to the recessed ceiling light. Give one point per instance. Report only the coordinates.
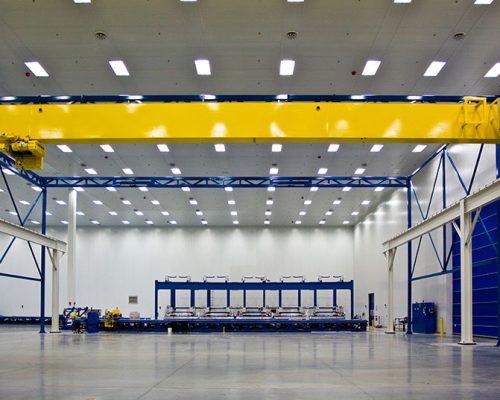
(376, 148)
(24, 202)
(127, 171)
(307, 202)
(276, 147)
(355, 213)
(359, 171)
(111, 189)
(231, 202)
(199, 213)
(228, 189)
(34, 222)
(271, 189)
(36, 68)
(298, 222)
(220, 147)
(269, 202)
(346, 222)
(236, 222)
(204, 222)
(35, 188)
(126, 202)
(135, 97)
(165, 213)
(48, 213)
(113, 213)
(483, 2)
(80, 213)
(163, 148)
(139, 212)
(82, 1)
(78, 189)
(358, 97)
(287, 67)
(337, 202)
(155, 202)
(119, 68)
(402, 1)
(95, 222)
(193, 202)
(202, 67)
(434, 68)
(267, 222)
(64, 148)
(90, 171)
(7, 171)
(371, 67)
(234, 213)
(273, 170)
(61, 202)
(322, 171)
(175, 170)
(314, 189)
(494, 71)
(149, 222)
(365, 202)
(64, 222)
(295, 1)
(414, 97)
(329, 212)
(143, 189)
(126, 222)
(322, 222)
(302, 213)
(173, 222)
(419, 148)
(98, 202)
(107, 148)
(282, 97)
(208, 97)
(333, 148)
(12, 212)
(379, 189)
(268, 213)
(185, 189)
(8, 98)
(346, 189)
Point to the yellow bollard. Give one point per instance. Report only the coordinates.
(441, 326)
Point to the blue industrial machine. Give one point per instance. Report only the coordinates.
(93, 322)
(424, 318)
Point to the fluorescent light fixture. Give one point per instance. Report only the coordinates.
(302, 213)
(355, 213)
(204, 222)
(7, 171)
(346, 222)
(173, 222)
(48, 213)
(234, 213)
(61, 202)
(208, 97)
(119, 68)
(483, 2)
(78, 189)
(8, 98)
(149, 222)
(202, 67)
(113, 213)
(220, 147)
(333, 148)
(35, 188)
(276, 147)
(165, 213)
(80, 213)
(155, 202)
(107, 148)
(24, 202)
(98, 202)
(176, 171)
(295, 1)
(236, 222)
(419, 148)
(127, 171)
(365, 202)
(376, 148)
(185, 189)
(287, 67)
(143, 189)
(298, 222)
(82, 1)
(414, 97)
(494, 71)
(269, 202)
(95, 222)
(322, 222)
(139, 212)
(126, 222)
(267, 222)
(231, 202)
(34, 222)
(273, 170)
(322, 171)
(358, 97)
(379, 189)
(12, 213)
(337, 202)
(434, 68)
(359, 171)
(402, 1)
(346, 189)
(282, 97)
(314, 189)
(135, 97)
(271, 189)
(111, 189)
(36, 68)
(64, 148)
(228, 189)
(268, 213)
(64, 222)
(90, 171)
(163, 148)
(199, 213)
(193, 202)
(126, 202)
(307, 202)
(371, 67)
(329, 212)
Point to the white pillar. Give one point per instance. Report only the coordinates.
(390, 291)
(465, 275)
(55, 291)
(72, 197)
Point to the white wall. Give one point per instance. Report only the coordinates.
(113, 263)
(370, 267)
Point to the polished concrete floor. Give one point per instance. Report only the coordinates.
(244, 366)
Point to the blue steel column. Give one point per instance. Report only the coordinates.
(408, 210)
(42, 262)
(156, 299)
(334, 297)
(443, 184)
(352, 299)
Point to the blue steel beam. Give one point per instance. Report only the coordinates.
(8, 163)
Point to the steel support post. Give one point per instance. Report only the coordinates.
(465, 275)
(352, 300)
(409, 329)
(42, 263)
(390, 290)
(156, 299)
(55, 258)
(334, 297)
(72, 200)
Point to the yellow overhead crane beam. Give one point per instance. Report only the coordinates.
(474, 121)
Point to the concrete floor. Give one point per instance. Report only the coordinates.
(244, 366)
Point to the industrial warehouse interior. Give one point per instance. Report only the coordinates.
(260, 199)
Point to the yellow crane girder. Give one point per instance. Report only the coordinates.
(474, 121)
